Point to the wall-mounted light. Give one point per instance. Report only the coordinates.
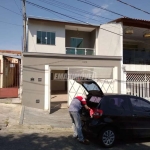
(129, 30)
(146, 34)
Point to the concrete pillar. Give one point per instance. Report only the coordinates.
(123, 81)
(96, 41)
(115, 79)
(47, 88)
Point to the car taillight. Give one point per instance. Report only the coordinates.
(97, 113)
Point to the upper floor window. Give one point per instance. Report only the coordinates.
(76, 42)
(47, 38)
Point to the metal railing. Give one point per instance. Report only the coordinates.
(141, 89)
(136, 56)
(80, 51)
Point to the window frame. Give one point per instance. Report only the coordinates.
(46, 38)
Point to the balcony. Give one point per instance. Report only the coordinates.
(80, 51)
(136, 56)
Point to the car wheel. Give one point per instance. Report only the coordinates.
(107, 137)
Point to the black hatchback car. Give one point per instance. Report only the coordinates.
(114, 115)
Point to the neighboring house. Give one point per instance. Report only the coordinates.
(57, 48)
(9, 73)
(136, 56)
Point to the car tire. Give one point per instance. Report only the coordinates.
(107, 137)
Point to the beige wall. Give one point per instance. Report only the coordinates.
(59, 30)
(88, 38)
(34, 67)
(110, 44)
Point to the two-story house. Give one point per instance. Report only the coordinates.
(136, 56)
(58, 51)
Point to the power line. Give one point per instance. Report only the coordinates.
(47, 9)
(77, 9)
(17, 5)
(95, 5)
(10, 10)
(33, 4)
(10, 23)
(69, 10)
(61, 5)
(133, 7)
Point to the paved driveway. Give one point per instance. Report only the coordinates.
(58, 118)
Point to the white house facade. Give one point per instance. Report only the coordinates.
(72, 49)
(136, 56)
(106, 52)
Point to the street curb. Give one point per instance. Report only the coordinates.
(6, 101)
(22, 116)
(10, 100)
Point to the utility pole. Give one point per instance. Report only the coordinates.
(24, 26)
(24, 47)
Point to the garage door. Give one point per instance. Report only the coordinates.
(102, 75)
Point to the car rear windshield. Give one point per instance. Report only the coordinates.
(91, 87)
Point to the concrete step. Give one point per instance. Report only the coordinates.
(64, 105)
(59, 105)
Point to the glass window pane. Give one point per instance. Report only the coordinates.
(91, 87)
(52, 38)
(89, 52)
(73, 42)
(38, 37)
(116, 101)
(70, 51)
(48, 38)
(79, 43)
(139, 104)
(43, 37)
(80, 51)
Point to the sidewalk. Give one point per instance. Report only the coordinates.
(9, 114)
(59, 118)
(15, 117)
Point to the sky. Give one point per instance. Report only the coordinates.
(11, 34)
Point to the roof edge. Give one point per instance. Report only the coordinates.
(61, 21)
(133, 22)
(33, 54)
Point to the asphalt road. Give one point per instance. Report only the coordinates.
(61, 141)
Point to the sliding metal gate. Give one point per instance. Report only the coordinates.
(102, 75)
(138, 84)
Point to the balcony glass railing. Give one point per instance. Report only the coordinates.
(136, 56)
(80, 51)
